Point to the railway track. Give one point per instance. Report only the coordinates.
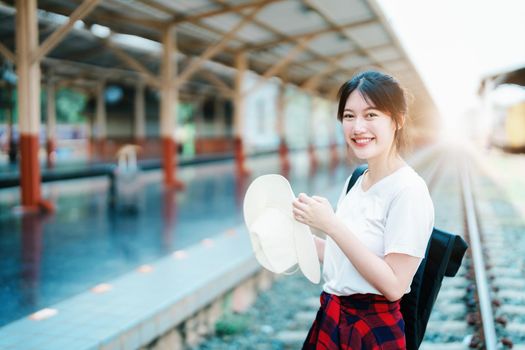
(483, 307)
(499, 203)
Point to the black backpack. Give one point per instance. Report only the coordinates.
(442, 258)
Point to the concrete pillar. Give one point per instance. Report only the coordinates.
(168, 109)
(100, 120)
(51, 123)
(281, 130)
(140, 115)
(28, 102)
(241, 63)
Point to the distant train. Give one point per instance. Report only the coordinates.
(509, 130)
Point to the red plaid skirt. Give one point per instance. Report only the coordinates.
(358, 321)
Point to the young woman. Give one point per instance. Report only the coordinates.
(377, 237)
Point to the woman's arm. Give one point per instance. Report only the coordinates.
(390, 276)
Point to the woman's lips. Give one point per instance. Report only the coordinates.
(362, 141)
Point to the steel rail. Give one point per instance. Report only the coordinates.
(482, 286)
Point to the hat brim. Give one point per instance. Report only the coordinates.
(306, 251)
(274, 191)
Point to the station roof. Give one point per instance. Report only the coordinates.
(310, 43)
(512, 76)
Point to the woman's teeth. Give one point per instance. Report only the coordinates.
(363, 140)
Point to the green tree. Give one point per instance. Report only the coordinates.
(69, 106)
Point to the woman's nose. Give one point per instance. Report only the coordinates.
(359, 125)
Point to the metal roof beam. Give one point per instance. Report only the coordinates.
(113, 17)
(213, 50)
(280, 65)
(291, 39)
(235, 8)
(311, 83)
(268, 44)
(54, 39)
(109, 73)
(328, 20)
(103, 19)
(133, 63)
(346, 53)
(217, 82)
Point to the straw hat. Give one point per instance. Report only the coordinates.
(278, 240)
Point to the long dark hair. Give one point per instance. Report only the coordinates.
(384, 93)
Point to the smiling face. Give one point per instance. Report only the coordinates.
(368, 131)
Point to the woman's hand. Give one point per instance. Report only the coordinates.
(314, 211)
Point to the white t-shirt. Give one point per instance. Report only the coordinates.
(395, 215)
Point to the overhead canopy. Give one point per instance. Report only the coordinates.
(515, 76)
(315, 44)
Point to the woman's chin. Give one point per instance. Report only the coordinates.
(361, 154)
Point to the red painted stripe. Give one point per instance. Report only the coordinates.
(29, 170)
(168, 155)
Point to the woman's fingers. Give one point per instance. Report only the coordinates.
(299, 212)
(299, 215)
(304, 198)
(319, 199)
(299, 205)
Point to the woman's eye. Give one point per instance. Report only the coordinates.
(348, 116)
(371, 115)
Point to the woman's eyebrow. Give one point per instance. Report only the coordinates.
(366, 109)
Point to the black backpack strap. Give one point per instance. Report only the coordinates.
(355, 175)
(459, 248)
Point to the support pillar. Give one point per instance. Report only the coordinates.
(140, 115)
(28, 72)
(281, 131)
(241, 64)
(51, 124)
(100, 120)
(168, 109)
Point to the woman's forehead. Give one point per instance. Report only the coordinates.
(358, 101)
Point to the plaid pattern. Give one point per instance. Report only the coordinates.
(358, 321)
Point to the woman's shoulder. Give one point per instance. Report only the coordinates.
(409, 181)
(412, 188)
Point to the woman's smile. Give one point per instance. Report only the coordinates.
(362, 141)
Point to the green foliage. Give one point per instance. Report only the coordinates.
(184, 112)
(7, 101)
(69, 106)
(230, 324)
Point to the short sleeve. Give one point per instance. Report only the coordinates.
(409, 221)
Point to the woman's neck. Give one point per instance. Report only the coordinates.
(378, 169)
